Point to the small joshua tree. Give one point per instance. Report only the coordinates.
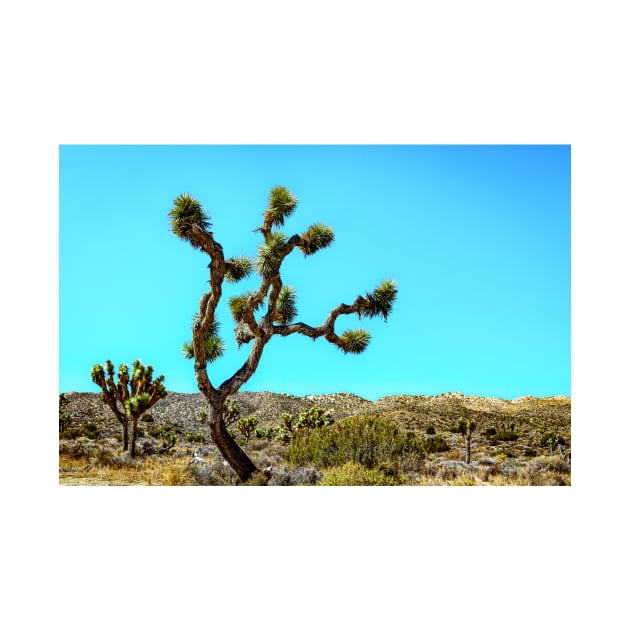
(64, 418)
(135, 396)
(466, 428)
(247, 426)
(276, 300)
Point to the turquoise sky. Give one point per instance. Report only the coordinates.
(478, 238)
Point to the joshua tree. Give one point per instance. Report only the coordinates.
(64, 419)
(135, 396)
(466, 428)
(278, 301)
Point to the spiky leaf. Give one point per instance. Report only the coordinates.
(286, 310)
(381, 300)
(281, 205)
(238, 305)
(316, 237)
(270, 254)
(214, 345)
(354, 341)
(98, 374)
(238, 268)
(185, 214)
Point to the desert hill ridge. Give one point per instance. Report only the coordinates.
(414, 412)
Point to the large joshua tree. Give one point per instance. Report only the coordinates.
(276, 300)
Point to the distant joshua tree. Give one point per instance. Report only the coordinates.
(129, 399)
(466, 428)
(277, 300)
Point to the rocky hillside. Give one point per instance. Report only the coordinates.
(527, 414)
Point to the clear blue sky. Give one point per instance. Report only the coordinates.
(478, 238)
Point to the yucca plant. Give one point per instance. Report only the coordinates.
(278, 301)
(129, 398)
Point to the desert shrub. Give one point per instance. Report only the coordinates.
(355, 474)
(435, 444)
(550, 463)
(300, 476)
(489, 432)
(70, 434)
(217, 473)
(504, 435)
(368, 440)
(552, 439)
(196, 438)
(265, 432)
(78, 449)
(145, 447)
(88, 430)
(166, 434)
(430, 430)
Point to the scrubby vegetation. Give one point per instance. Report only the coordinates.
(519, 444)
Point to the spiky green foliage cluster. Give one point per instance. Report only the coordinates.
(354, 341)
(381, 300)
(286, 310)
(185, 214)
(238, 305)
(238, 268)
(271, 254)
(137, 404)
(465, 426)
(282, 203)
(214, 345)
(313, 418)
(316, 237)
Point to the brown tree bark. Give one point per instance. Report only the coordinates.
(231, 451)
(125, 425)
(134, 436)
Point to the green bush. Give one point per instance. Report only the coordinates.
(88, 430)
(552, 439)
(196, 438)
(504, 435)
(368, 440)
(435, 444)
(354, 474)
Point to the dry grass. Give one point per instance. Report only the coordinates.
(87, 471)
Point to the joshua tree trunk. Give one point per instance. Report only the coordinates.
(125, 425)
(134, 435)
(467, 439)
(233, 453)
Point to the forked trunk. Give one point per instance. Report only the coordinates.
(231, 451)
